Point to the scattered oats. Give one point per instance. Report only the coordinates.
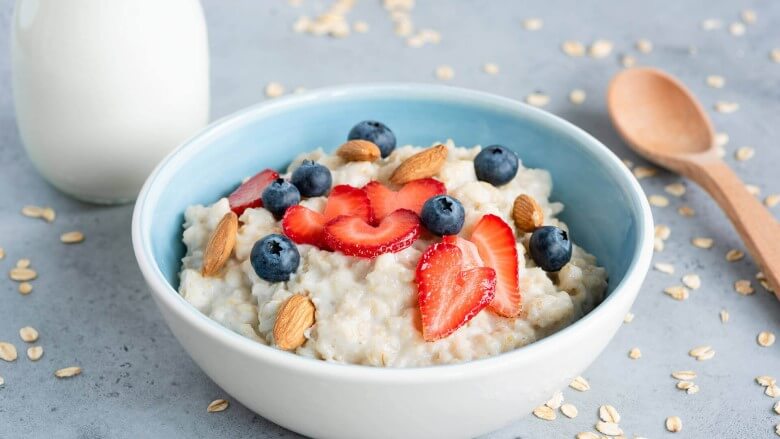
(771, 200)
(34, 353)
(734, 255)
(737, 29)
(577, 97)
(2, 381)
(721, 139)
(705, 243)
(664, 267)
(48, 214)
(607, 413)
(23, 263)
(2, 253)
(716, 81)
(74, 237)
(702, 353)
(32, 211)
(570, 411)
(627, 61)
(628, 318)
(774, 55)
(430, 36)
(684, 375)
(692, 281)
(724, 316)
(748, 16)
(22, 274)
(600, 49)
(686, 211)
(658, 200)
(544, 412)
(533, 24)
(25, 288)
(641, 172)
(587, 435)
(7, 351)
(644, 45)
(537, 99)
(726, 107)
(67, 372)
(580, 384)
(218, 405)
(677, 292)
(662, 231)
(576, 49)
(609, 428)
(694, 389)
(628, 163)
(28, 334)
(555, 401)
(415, 41)
(775, 407)
(360, 27)
(744, 153)
(744, 287)
(444, 73)
(765, 339)
(675, 189)
(772, 391)
(777, 429)
(711, 24)
(301, 25)
(274, 89)
(658, 245)
(689, 386)
(766, 380)
(490, 68)
(673, 424)
(634, 354)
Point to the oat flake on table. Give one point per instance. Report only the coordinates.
(576, 49)
(569, 410)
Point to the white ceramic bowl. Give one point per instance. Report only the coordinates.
(606, 211)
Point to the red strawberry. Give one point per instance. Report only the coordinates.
(249, 193)
(496, 244)
(412, 196)
(471, 258)
(305, 226)
(354, 236)
(450, 296)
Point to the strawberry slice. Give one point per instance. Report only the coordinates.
(354, 236)
(496, 245)
(412, 196)
(250, 193)
(450, 296)
(305, 226)
(468, 249)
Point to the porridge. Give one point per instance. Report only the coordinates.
(386, 256)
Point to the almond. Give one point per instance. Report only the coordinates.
(359, 151)
(527, 214)
(294, 318)
(424, 164)
(220, 245)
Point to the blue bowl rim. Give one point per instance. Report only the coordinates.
(142, 220)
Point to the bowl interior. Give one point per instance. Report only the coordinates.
(602, 207)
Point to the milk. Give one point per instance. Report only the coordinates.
(104, 89)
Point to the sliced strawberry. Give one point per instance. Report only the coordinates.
(496, 244)
(305, 226)
(450, 296)
(412, 196)
(468, 249)
(354, 236)
(250, 193)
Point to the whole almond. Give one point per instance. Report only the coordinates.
(527, 214)
(424, 164)
(220, 245)
(294, 318)
(359, 151)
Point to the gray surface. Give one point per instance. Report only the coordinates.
(91, 305)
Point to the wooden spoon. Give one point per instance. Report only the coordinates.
(661, 120)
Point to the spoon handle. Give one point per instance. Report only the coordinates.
(759, 230)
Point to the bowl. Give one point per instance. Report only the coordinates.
(606, 211)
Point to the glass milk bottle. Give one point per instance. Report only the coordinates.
(104, 89)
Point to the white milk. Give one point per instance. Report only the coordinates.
(104, 89)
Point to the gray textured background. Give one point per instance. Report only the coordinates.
(92, 308)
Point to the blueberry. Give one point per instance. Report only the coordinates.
(280, 195)
(312, 179)
(550, 248)
(274, 258)
(496, 165)
(443, 215)
(376, 132)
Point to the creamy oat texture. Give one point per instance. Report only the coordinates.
(367, 310)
